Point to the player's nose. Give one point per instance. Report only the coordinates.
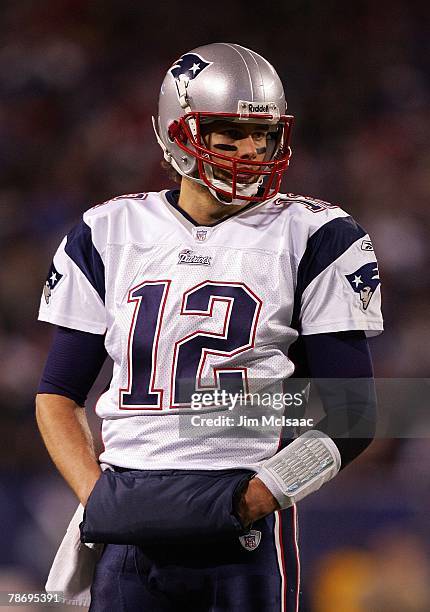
(247, 148)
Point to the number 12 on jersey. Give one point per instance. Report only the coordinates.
(191, 351)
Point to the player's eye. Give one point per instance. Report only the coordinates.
(259, 136)
(232, 134)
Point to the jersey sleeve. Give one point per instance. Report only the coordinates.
(74, 291)
(338, 285)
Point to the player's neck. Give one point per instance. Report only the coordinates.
(201, 206)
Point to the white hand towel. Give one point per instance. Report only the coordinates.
(73, 567)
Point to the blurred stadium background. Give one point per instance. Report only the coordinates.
(79, 81)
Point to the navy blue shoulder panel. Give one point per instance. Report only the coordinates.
(80, 248)
(323, 248)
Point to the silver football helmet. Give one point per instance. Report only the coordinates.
(215, 82)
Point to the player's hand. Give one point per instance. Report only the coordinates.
(256, 501)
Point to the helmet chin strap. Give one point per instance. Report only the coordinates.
(246, 190)
(229, 201)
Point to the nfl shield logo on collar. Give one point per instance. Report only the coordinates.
(251, 540)
(201, 233)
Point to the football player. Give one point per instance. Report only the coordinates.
(223, 285)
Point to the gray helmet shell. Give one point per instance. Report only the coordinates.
(214, 78)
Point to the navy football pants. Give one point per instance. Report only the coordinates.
(175, 543)
(222, 577)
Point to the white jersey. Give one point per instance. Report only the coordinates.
(188, 309)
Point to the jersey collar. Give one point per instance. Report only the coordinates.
(172, 197)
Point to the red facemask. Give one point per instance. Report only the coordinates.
(268, 173)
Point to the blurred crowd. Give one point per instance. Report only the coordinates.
(79, 82)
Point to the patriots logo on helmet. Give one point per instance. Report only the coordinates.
(188, 66)
(365, 281)
(51, 282)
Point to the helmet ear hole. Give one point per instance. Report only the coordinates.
(176, 132)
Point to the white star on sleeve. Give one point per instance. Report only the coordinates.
(53, 278)
(357, 281)
(195, 68)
